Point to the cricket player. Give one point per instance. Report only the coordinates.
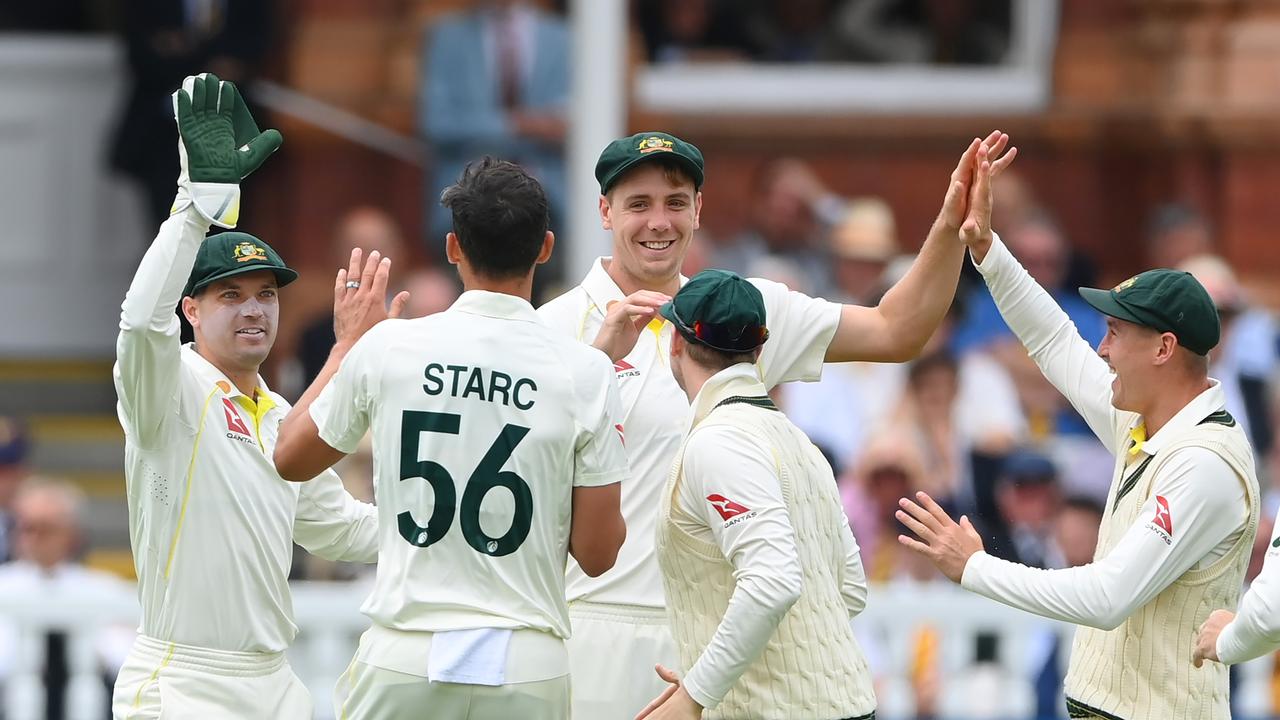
(1230, 637)
(497, 452)
(211, 523)
(650, 199)
(761, 571)
(1183, 506)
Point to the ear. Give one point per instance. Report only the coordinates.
(452, 249)
(697, 210)
(1168, 348)
(606, 213)
(677, 344)
(548, 243)
(191, 311)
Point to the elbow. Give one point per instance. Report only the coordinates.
(857, 602)
(1109, 618)
(603, 553)
(287, 467)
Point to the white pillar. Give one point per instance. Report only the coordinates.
(597, 115)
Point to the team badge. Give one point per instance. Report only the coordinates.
(653, 143)
(246, 251)
(235, 424)
(1125, 285)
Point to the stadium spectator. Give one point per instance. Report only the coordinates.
(921, 31)
(495, 81)
(691, 30)
(862, 244)
(1028, 497)
(1175, 232)
(49, 543)
(13, 470)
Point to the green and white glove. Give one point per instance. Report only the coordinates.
(219, 144)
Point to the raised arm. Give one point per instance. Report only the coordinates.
(219, 144)
(897, 329)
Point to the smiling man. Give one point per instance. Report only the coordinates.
(211, 523)
(1183, 506)
(651, 201)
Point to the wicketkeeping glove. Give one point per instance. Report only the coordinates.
(218, 145)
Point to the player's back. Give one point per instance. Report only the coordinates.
(479, 415)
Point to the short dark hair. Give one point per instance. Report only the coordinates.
(1085, 504)
(500, 216)
(717, 360)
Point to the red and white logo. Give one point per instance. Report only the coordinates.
(1163, 519)
(625, 369)
(727, 508)
(234, 423)
(621, 436)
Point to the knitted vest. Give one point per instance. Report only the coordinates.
(1142, 670)
(812, 667)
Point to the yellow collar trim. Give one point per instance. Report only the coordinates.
(1139, 437)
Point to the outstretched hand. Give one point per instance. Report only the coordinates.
(360, 297)
(948, 545)
(958, 205)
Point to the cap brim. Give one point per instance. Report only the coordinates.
(1104, 302)
(690, 166)
(284, 276)
(668, 311)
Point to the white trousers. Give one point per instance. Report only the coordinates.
(163, 681)
(611, 656)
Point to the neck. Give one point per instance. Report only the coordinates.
(629, 283)
(1168, 403)
(246, 381)
(695, 376)
(521, 287)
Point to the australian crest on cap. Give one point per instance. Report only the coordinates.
(653, 143)
(1125, 285)
(248, 251)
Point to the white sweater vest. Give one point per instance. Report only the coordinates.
(1142, 670)
(812, 667)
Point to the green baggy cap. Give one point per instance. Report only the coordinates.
(625, 153)
(1166, 301)
(234, 253)
(719, 309)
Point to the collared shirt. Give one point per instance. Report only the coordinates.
(211, 523)
(1207, 515)
(484, 421)
(726, 463)
(656, 409)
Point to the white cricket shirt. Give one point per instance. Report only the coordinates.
(211, 523)
(1255, 631)
(655, 410)
(483, 421)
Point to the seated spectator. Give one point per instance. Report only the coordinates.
(431, 290)
(862, 244)
(1028, 497)
(49, 543)
(919, 31)
(1245, 360)
(13, 471)
(691, 30)
(1175, 232)
(925, 418)
(369, 229)
(886, 471)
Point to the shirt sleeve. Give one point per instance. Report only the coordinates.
(1255, 631)
(1195, 506)
(800, 331)
(148, 360)
(333, 524)
(341, 412)
(1051, 339)
(730, 485)
(599, 456)
(853, 581)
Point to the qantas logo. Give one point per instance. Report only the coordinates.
(621, 435)
(625, 369)
(1163, 519)
(727, 508)
(235, 425)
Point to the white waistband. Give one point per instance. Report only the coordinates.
(639, 614)
(220, 662)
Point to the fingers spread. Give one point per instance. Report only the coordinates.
(915, 526)
(939, 515)
(915, 545)
(370, 268)
(923, 516)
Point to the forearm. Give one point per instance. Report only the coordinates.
(749, 621)
(301, 412)
(1081, 595)
(914, 307)
(1254, 632)
(853, 581)
(334, 525)
(157, 286)
(300, 454)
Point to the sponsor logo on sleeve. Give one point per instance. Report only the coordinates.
(1162, 523)
(625, 369)
(732, 512)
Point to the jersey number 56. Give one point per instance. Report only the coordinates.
(487, 476)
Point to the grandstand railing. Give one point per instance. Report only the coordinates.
(891, 628)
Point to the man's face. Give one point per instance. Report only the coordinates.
(47, 533)
(1029, 504)
(235, 320)
(1129, 349)
(652, 222)
(1076, 534)
(1041, 252)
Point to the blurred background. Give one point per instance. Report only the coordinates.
(1148, 135)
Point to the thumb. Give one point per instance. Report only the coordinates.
(1197, 659)
(252, 155)
(953, 203)
(666, 674)
(397, 304)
